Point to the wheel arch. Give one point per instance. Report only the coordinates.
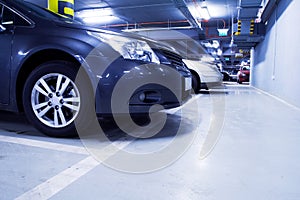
(32, 62)
(193, 72)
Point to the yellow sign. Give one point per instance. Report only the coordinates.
(63, 7)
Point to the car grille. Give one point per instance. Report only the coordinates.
(175, 60)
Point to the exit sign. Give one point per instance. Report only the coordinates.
(223, 32)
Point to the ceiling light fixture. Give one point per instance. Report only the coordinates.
(205, 13)
(94, 12)
(199, 11)
(100, 20)
(194, 11)
(96, 15)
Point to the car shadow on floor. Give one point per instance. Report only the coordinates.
(214, 92)
(175, 125)
(18, 124)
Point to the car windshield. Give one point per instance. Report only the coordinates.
(45, 13)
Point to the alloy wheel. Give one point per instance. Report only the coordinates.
(55, 100)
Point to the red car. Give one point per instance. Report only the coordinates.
(243, 74)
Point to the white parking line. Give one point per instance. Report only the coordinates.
(277, 98)
(44, 145)
(57, 183)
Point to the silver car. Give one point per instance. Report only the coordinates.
(205, 73)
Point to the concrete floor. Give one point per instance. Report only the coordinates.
(240, 144)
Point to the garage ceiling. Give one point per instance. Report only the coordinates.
(168, 12)
(176, 14)
(143, 11)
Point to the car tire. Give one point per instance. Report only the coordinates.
(226, 77)
(53, 100)
(239, 82)
(196, 83)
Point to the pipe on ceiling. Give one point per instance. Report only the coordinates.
(146, 23)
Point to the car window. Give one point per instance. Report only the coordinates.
(9, 17)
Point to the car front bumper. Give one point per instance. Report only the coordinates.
(243, 78)
(133, 86)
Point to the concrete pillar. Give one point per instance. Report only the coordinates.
(252, 60)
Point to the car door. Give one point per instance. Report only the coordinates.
(6, 36)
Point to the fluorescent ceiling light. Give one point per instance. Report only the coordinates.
(100, 19)
(96, 12)
(204, 13)
(97, 15)
(199, 12)
(194, 11)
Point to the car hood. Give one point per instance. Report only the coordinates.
(202, 66)
(206, 58)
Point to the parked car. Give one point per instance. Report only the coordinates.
(243, 74)
(201, 64)
(226, 76)
(204, 70)
(205, 74)
(231, 71)
(41, 54)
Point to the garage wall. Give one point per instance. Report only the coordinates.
(276, 67)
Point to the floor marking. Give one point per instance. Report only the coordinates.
(57, 183)
(277, 98)
(44, 145)
(62, 180)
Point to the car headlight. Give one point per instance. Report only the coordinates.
(129, 48)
